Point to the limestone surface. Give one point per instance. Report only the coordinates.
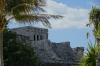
(49, 52)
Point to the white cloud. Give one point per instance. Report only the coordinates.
(73, 17)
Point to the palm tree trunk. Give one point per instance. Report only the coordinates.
(1, 49)
(98, 59)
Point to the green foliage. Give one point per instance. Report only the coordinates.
(91, 56)
(97, 33)
(89, 59)
(25, 11)
(94, 17)
(94, 13)
(17, 53)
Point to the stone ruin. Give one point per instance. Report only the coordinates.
(50, 53)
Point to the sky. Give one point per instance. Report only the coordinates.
(72, 27)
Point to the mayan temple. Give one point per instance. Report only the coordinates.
(50, 53)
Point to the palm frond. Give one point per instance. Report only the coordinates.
(21, 9)
(39, 3)
(37, 18)
(25, 9)
(17, 7)
(13, 3)
(56, 16)
(28, 11)
(37, 10)
(89, 59)
(94, 16)
(32, 19)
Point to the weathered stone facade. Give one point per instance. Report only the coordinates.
(50, 53)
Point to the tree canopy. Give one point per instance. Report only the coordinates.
(17, 53)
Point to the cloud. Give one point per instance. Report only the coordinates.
(90, 3)
(73, 17)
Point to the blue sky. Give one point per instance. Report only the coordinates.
(72, 27)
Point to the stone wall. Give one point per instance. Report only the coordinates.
(50, 53)
(61, 50)
(44, 51)
(55, 53)
(79, 51)
(34, 33)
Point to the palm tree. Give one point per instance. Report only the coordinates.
(94, 19)
(89, 58)
(23, 11)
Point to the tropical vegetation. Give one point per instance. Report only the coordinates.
(89, 58)
(23, 11)
(17, 53)
(94, 20)
(92, 57)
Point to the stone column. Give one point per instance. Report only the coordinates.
(39, 37)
